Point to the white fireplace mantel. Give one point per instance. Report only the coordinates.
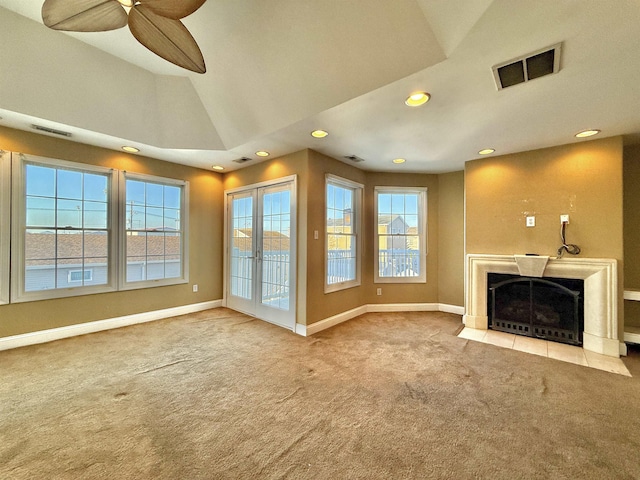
(600, 294)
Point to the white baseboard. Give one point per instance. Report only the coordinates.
(451, 309)
(632, 335)
(335, 320)
(632, 295)
(402, 307)
(308, 330)
(43, 336)
(50, 335)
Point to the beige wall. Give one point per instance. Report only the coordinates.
(451, 238)
(322, 305)
(582, 179)
(204, 242)
(632, 231)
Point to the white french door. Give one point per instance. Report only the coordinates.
(260, 253)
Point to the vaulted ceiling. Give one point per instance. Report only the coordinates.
(278, 69)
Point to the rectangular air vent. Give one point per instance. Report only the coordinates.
(528, 67)
(51, 130)
(242, 160)
(354, 159)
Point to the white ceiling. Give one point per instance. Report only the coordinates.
(278, 69)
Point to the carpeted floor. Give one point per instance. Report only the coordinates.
(218, 395)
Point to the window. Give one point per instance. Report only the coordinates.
(401, 236)
(76, 276)
(5, 170)
(343, 203)
(62, 222)
(155, 243)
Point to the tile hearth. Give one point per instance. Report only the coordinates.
(544, 348)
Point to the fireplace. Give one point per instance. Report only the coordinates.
(547, 308)
(600, 303)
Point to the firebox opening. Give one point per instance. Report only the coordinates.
(546, 308)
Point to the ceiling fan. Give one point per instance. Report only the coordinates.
(154, 23)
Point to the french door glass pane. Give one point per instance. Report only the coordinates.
(276, 248)
(242, 248)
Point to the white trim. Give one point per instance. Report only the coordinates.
(335, 320)
(266, 183)
(422, 233)
(623, 349)
(455, 309)
(632, 335)
(356, 222)
(43, 336)
(19, 226)
(253, 307)
(308, 330)
(403, 307)
(5, 216)
(632, 295)
(123, 284)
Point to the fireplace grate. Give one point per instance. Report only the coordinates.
(555, 334)
(511, 327)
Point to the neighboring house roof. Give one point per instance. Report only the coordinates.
(40, 248)
(272, 241)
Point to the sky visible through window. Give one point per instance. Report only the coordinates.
(152, 206)
(276, 213)
(59, 198)
(339, 199)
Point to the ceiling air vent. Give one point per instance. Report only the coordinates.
(242, 160)
(534, 65)
(51, 130)
(354, 159)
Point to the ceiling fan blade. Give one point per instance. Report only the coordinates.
(167, 38)
(175, 9)
(83, 15)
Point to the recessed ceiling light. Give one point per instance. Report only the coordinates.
(319, 133)
(398, 160)
(487, 151)
(218, 167)
(262, 153)
(126, 3)
(587, 133)
(417, 99)
(130, 149)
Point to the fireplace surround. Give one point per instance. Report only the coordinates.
(600, 294)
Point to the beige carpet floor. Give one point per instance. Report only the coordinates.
(218, 395)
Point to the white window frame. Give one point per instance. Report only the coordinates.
(5, 225)
(122, 249)
(422, 232)
(18, 227)
(357, 189)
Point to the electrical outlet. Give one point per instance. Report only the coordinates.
(195, 288)
(315, 234)
(379, 291)
(564, 218)
(531, 221)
